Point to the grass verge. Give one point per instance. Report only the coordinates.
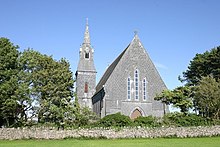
(158, 142)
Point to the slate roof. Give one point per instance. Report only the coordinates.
(109, 71)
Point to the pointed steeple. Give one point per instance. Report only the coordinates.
(86, 72)
(86, 34)
(86, 62)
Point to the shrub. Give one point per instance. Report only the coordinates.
(148, 121)
(115, 120)
(180, 119)
(85, 117)
(216, 121)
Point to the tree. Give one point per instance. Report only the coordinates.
(50, 85)
(28, 63)
(207, 97)
(33, 85)
(204, 89)
(56, 88)
(204, 64)
(180, 97)
(9, 107)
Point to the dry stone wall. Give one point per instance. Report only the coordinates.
(42, 133)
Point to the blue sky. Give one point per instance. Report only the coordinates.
(172, 31)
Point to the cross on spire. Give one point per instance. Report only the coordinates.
(135, 32)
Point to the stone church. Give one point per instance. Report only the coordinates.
(128, 86)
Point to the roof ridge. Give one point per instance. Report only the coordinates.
(109, 71)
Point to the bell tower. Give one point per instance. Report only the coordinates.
(86, 72)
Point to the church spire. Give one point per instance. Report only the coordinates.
(86, 72)
(86, 35)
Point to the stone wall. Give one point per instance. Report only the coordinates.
(40, 133)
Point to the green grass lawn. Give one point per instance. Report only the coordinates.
(159, 142)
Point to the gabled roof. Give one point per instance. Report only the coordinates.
(111, 68)
(109, 71)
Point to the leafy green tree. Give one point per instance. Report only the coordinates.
(34, 85)
(50, 85)
(29, 64)
(55, 84)
(207, 97)
(180, 97)
(201, 65)
(9, 107)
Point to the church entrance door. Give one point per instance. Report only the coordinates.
(135, 114)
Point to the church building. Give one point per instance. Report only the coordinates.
(128, 86)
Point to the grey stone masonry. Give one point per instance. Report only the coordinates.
(86, 72)
(144, 83)
(44, 133)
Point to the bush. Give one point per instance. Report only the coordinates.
(85, 117)
(180, 119)
(216, 121)
(148, 121)
(115, 120)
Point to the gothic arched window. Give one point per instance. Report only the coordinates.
(136, 79)
(129, 88)
(86, 88)
(144, 89)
